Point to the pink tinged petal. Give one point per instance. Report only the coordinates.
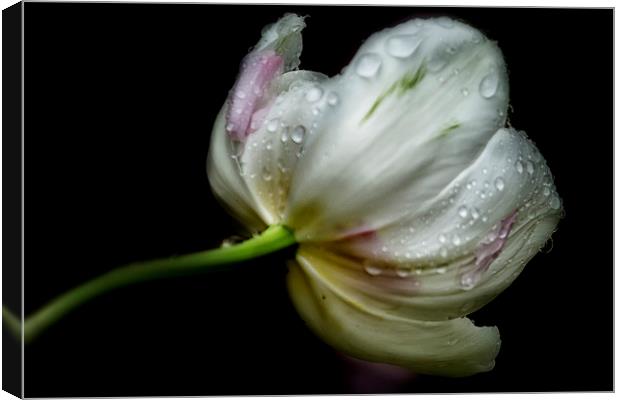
(368, 377)
(257, 72)
(488, 250)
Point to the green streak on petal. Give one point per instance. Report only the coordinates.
(447, 130)
(407, 82)
(410, 80)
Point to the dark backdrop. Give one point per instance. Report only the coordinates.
(120, 100)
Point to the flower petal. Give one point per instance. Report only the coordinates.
(450, 348)
(469, 243)
(415, 107)
(277, 52)
(227, 184)
(272, 151)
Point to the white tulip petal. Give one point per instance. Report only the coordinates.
(427, 294)
(454, 223)
(402, 124)
(272, 151)
(278, 51)
(445, 244)
(225, 179)
(450, 348)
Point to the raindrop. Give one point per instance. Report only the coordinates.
(546, 191)
(332, 99)
(499, 183)
(402, 46)
(456, 240)
(475, 213)
(442, 238)
(284, 137)
(469, 280)
(241, 94)
(403, 273)
(372, 270)
(272, 125)
(368, 65)
(445, 22)
(465, 92)
(463, 211)
(314, 94)
(554, 202)
(298, 134)
(519, 167)
(488, 85)
(266, 174)
(437, 63)
(529, 167)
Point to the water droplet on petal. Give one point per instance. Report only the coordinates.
(298, 134)
(272, 125)
(546, 191)
(314, 94)
(442, 238)
(529, 167)
(519, 167)
(475, 213)
(499, 183)
(445, 22)
(469, 280)
(368, 65)
(555, 202)
(284, 137)
(456, 240)
(402, 46)
(403, 272)
(372, 270)
(332, 99)
(437, 63)
(463, 211)
(488, 85)
(465, 92)
(266, 174)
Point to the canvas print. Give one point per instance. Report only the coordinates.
(281, 200)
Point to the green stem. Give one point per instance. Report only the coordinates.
(274, 238)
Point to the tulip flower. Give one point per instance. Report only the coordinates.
(412, 203)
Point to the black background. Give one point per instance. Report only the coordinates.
(120, 100)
